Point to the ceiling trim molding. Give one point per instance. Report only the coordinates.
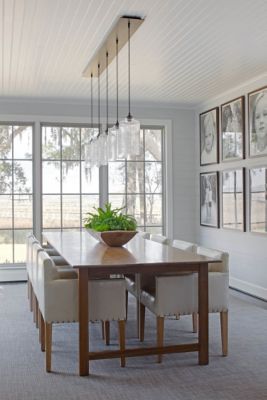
(83, 102)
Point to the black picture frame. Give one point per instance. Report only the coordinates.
(233, 130)
(209, 199)
(257, 122)
(209, 135)
(233, 204)
(258, 199)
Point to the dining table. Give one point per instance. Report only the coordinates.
(92, 260)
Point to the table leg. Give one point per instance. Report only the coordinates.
(138, 293)
(83, 322)
(203, 309)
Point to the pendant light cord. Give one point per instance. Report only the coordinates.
(117, 80)
(92, 107)
(129, 117)
(98, 67)
(107, 90)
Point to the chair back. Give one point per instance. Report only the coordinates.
(58, 298)
(144, 235)
(159, 238)
(182, 245)
(29, 260)
(222, 266)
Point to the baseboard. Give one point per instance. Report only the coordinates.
(249, 288)
(13, 274)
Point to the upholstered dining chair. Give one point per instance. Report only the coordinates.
(146, 280)
(58, 302)
(178, 295)
(159, 238)
(183, 245)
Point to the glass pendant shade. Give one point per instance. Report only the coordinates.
(112, 142)
(129, 138)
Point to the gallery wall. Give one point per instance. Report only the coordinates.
(248, 254)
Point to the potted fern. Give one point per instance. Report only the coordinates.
(111, 226)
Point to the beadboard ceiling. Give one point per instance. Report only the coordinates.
(186, 51)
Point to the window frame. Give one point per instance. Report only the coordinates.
(162, 193)
(12, 124)
(17, 272)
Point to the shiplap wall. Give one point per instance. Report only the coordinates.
(248, 251)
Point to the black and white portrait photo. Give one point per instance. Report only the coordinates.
(258, 200)
(232, 137)
(209, 201)
(258, 122)
(233, 200)
(209, 137)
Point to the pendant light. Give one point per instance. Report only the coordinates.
(123, 139)
(129, 138)
(114, 132)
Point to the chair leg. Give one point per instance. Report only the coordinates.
(42, 332)
(195, 322)
(36, 308)
(126, 303)
(160, 335)
(122, 340)
(142, 322)
(48, 346)
(107, 332)
(28, 287)
(33, 307)
(137, 316)
(39, 323)
(103, 329)
(31, 298)
(224, 332)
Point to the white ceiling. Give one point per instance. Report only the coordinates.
(186, 51)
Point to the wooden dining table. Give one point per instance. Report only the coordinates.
(92, 259)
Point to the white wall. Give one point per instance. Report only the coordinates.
(180, 129)
(248, 251)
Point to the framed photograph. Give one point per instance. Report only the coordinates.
(233, 129)
(258, 199)
(209, 199)
(233, 199)
(209, 130)
(257, 115)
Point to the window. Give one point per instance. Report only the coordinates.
(137, 183)
(69, 191)
(16, 199)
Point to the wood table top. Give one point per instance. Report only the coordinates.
(81, 250)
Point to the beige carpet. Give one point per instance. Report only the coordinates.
(242, 375)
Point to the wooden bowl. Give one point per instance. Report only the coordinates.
(112, 238)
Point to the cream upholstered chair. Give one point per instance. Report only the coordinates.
(130, 279)
(144, 235)
(58, 302)
(146, 280)
(159, 238)
(65, 271)
(182, 245)
(178, 295)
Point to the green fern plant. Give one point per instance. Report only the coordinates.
(109, 219)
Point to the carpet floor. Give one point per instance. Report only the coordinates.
(242, 375)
